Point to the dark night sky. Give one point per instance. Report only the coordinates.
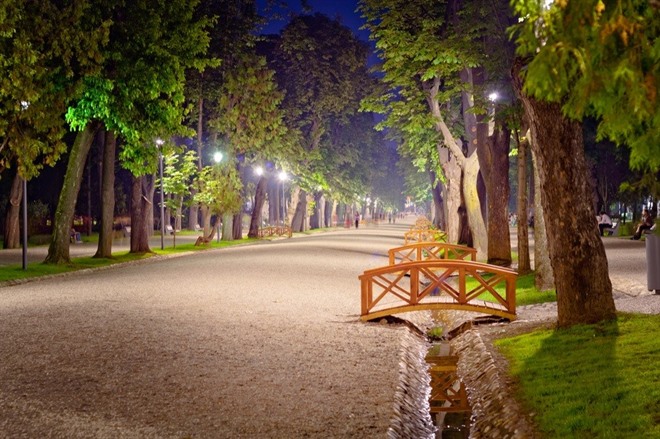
(342, 9)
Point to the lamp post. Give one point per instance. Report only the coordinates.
(217, 158)
(159, 143)
(282, 177)
(24, 106)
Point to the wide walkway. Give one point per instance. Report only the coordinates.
(243, 342)
(254, 341)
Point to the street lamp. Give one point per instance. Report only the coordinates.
(282, 176)
(159, 144)
(259, 171)
(24, 106)
(217, 158)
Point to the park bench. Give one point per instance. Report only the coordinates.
(649, 231)
(127, 231)
(612, 231)
(205, 240)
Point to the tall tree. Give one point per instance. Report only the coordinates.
(45, 47)
(585, 58)
(424, 57)
(138, 94)
(321, 67)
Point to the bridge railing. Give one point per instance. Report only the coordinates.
(423, 251)
(438, 284)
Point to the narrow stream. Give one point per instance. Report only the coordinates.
(448, 401)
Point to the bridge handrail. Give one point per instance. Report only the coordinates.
(268, 231)
(434, 249)
(424, 235)
(461, 298)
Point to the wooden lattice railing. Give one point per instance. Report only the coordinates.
(438, 284)
(270, 231)
(423, 231)
(426, 251)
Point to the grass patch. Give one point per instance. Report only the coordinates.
(590, 381)
(526, 292)
(15, 271)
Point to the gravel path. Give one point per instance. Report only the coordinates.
(258, 341)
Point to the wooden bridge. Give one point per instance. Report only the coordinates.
(423, 251)
(423, 231)
(425, 281)
(270, 231)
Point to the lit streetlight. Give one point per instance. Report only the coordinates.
(24, 106)
(259, 171)
(159, 145)
(282, 177)
(217, 158)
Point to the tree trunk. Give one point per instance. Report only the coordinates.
(328, 212)
(495, 151)
(58, 251)
(524, 264)
(584, 290)
(149, 189)
(139, 208)
(104, 249)
(273, 188)
(12, 232)
(297, 222)
(438, 212)
(473, 206)
(315, 219)
(452, 193)
(543, 277)
(227, 227)
(259, 199)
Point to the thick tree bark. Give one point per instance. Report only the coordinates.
(227, 227)
(298, 220)
(259, 200)
(315, 219)
(452, 194)
(139, 210)
(524, 264)
(577, 255)
(328, 211)
(12, 232)
(473, 206)
(544, 279)
(58, 251)
(495, 152)
(104, 249)
(438, 211)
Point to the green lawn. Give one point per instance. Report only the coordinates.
(526, 292)
(15, 271)
(590, 381)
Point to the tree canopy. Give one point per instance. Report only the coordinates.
(598, 58)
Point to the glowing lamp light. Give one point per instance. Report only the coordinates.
(259, 171)
(282, 176)
(493, 97)
(217, 157)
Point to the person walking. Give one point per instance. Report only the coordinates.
(357, 219)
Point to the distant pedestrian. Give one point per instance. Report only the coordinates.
(357, 220)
